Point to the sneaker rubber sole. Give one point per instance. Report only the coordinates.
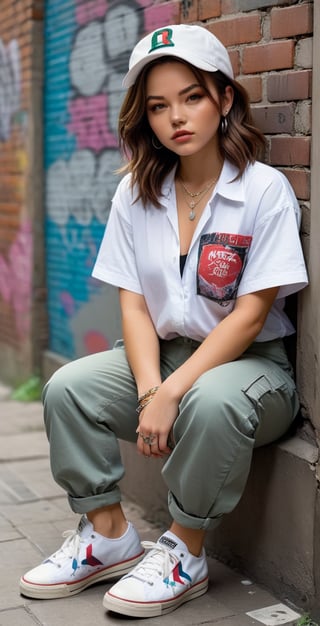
(153, 609)
(40, 591)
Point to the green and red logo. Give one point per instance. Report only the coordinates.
(161, 39)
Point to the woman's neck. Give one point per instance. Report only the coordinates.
(195, 174)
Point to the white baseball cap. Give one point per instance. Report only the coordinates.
(194, 44)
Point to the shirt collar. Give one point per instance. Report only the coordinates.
(226, 186)
(168, 183)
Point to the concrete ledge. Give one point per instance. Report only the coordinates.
(270, 535)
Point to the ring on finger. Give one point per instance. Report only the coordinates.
(148, 439)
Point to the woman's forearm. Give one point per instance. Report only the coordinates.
(225, 343)
(142, 348)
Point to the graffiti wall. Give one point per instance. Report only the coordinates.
(16, 242)
(23, 328)
(88, 44)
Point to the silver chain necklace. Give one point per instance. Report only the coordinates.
(195, 194)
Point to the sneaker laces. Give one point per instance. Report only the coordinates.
(160, 562)
(70, 548)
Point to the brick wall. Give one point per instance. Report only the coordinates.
(21, 261)
(270, 44)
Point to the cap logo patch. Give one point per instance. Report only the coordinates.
(161, 39)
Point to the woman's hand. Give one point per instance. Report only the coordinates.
(155, 423)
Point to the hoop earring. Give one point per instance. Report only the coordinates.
(224, 125)
(157, 147)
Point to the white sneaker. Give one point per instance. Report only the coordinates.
(84, 559)
(167, 577)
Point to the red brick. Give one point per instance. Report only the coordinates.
(300, 181)
(294, 85)
(253, 85)
(12, 187)
(290, 150)
(209, 9)
(189, 14)
(8, 162)
(37, 13)
(237, 30)
(7, 12)
(9, 217)
(235, 61)
(274, 119)
(272, 56)
(229, 6)
(291, 21)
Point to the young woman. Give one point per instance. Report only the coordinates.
(203, 244)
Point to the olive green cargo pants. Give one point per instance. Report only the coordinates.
(90, 403)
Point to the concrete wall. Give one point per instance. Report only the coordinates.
(308, 371)
(309, 330)
(23, 333)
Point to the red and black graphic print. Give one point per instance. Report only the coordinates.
(221, 261)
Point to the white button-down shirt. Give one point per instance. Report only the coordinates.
(247, 239)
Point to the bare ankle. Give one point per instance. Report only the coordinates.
(109, 521)
(193, 538)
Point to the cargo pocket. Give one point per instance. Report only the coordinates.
(272, 401)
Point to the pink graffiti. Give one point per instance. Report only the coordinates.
(157, 15)
(16, 278)
(68, 303)
(89, 122)
(90, 10)
(95, 341)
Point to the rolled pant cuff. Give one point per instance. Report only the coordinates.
(84, 505)
(190, 521)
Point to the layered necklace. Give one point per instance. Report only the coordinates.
(196, 196)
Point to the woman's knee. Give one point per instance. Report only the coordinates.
(59, 394)
(217, 409)
(56, 386)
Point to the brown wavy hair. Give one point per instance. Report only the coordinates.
(241, 142)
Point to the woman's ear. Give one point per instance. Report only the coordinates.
(227, 100)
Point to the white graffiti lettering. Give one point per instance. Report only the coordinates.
(10, 84)
(225, 255)
(82, 187)
(88, 66)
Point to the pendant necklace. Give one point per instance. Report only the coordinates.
(195, 194)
